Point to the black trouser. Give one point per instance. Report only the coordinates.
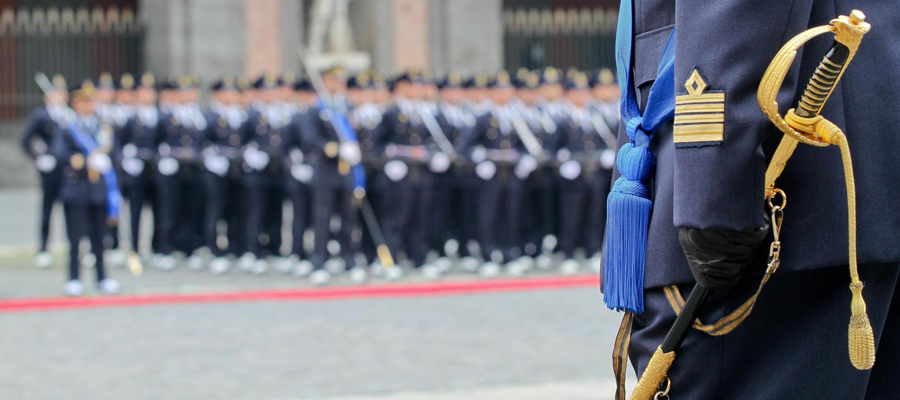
(410, 205)
(140, 192)
(540, 210)
(464, 221)
(583, 212)
(51, 183)
(222, 197)
(85, 219)
(300, 195)
(265, 202)
(441, 211)
(793, 345)
(180, 199)
(333, 193)
(499, 219)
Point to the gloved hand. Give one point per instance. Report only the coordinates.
(718, 257)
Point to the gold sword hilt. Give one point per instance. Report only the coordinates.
(804, 124)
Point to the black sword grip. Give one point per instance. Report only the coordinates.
(822, 83)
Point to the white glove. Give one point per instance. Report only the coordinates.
(216, 164)
(296, 156)
(45, 163)
(350, 153)
(479, 154)
(440, 163)
(607, 159)
(256, 159)
(302, 172)
(563, 155)
(395, 170)
(570, 170)
(132, 166)
(129, 151)
(99, 162)
(486, 170)
(526, 165)
(168, 166)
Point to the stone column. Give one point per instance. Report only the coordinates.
(263, 29)
(411, 46)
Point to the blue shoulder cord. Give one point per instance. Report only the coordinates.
(347, 134)
(629, 205)
(113, 196)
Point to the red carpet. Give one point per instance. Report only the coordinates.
(302, 294)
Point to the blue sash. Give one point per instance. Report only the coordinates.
(629, 205)
(113, 196)
(347, 134)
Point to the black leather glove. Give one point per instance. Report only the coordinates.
(718, 257)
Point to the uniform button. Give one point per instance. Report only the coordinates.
(505, 144)
(401, 129)
(492, 134)
(415, 139)
(222, 132)
(414, 130)
(260, 129)
(234, 139)
(590, 146)
(275, 140)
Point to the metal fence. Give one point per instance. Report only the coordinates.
(79, 44)
(563, 38)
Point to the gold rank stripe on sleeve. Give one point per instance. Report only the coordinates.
(699, 116)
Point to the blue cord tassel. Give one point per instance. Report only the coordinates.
(628, 219)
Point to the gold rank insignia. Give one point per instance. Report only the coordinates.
(699, 114)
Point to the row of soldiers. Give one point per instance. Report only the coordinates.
(497, 171)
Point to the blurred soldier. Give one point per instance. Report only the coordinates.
(477, 101)
(365, 118)
(299, 176)
(179, 190)
(495, 146)
(333, 181)
(551, 94)
(136, 149)
(90, 199)
(36, 139)
(540, 188)
(265, 132)
(408, 147)
(221, 173)
(106, 98)
(585, 164)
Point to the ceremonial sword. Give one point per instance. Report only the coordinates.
(803, 124)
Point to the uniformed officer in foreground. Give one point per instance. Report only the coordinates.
(42, 125)
(709, 221)
(83, 144)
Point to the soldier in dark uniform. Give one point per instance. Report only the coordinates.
(221, 173)
(299, 176)
(179, 190)
(36, 140)
(83, 144)
(495, 146)
(267, 129)
(365, 117)
(136, 152)
(409, 148)
(708, 221)
(333, 180)
(585, 163)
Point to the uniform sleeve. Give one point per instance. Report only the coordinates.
(32, 129)
(472, 136)
(61, 146)
(722, 50)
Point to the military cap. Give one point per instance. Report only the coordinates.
(303, 85)
(532, 81)
(186, 82)
(355, 83)
(406, 76)
(602, 77)
(106, 81)
(335, 69)
(424, 77)
(578, 81)
(169, 84)
(288, 78)
(550, 75)
(572, 72)
(59, 82)
(452, 80)
(147, 81)
(86, 90)
(267, 81)
(378, 81)
(501, 80)
(226, 83)
(479, 81)
(126, 82)
(243, 83)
